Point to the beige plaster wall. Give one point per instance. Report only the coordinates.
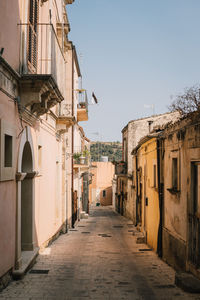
(48, 200)
(102, 180)
(177, 205)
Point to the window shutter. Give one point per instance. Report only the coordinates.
(33, 35)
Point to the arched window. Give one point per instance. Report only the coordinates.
(33, 35)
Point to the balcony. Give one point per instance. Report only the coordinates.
(41, 68)
(120, 168)
(65, 118)
(82, 107)
(81, 161)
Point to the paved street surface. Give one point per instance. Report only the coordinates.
(98, 260)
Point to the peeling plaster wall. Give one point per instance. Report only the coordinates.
(134, 132)
(177, 205)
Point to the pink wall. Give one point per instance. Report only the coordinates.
(7, 199)
(7, 225)
(9, 18)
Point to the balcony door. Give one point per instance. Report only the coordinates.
(33, 35)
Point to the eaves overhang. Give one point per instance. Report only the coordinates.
(68, 1)
(144, 140)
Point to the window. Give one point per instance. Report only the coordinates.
(32, 35)
(174, 173)
(7, 151)
(104, 193)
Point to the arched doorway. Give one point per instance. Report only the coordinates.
(27, 200)
(25, 212)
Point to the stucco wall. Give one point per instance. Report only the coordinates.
(140, 128)
(147, 159)
(102, 181)
(134, 132)
(48, 186)
(9, 18)
(181, 143)
(8, 194)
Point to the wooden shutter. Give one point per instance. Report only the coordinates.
(33, 35)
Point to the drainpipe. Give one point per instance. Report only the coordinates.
(72, 161)
(160, 195)
(136, 174)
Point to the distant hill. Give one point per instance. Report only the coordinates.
(111, 149)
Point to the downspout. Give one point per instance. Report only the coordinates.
(136, 174)
(72, 161)
(160, 195)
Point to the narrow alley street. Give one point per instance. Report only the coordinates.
(98, 259)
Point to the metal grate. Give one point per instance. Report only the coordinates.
(145, 249)
(85, 232)
(34, 271)
(104, 235)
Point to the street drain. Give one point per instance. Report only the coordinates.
(130, 230)
(118, 226)
(145, 249)
(104, 235)
(39, 271)
(85, 232)
(81, 226)
(73, 230)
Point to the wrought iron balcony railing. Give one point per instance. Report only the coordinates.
(82, 107)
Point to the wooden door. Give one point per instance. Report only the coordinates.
(194, 216)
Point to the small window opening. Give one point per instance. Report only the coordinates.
(8, 151)
(174, 173)
(104, 193)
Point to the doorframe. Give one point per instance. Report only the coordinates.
(25, 137)
(189, 264)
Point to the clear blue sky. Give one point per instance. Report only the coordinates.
(134, 53)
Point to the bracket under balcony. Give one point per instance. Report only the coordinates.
(39, 92)
(64, 122)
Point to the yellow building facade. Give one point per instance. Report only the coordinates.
(146, 185)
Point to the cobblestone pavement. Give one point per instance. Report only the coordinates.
(98, 260)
